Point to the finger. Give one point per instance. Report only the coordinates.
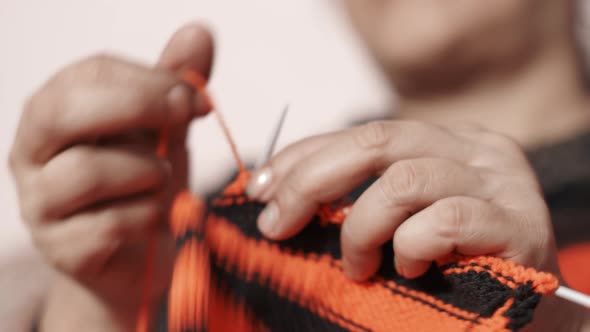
(465, 225)
(191, 47)
(368, 150)
(344, 163)
(405, 188)
(504, 153)
(85, 175)
(266, 180)
(98, 233)
(99, 96)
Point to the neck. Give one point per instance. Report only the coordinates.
(542, 102)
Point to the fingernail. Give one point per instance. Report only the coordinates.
(259, 182)
(179, 100)
(267, 221)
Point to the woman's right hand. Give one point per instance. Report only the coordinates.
(90, 184)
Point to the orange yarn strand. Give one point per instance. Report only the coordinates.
(197, 82)
(230, 140)
(143, 320)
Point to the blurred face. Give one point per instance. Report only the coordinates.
(414, 38)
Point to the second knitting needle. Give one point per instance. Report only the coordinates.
(269, 149)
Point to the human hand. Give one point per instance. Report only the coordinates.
(90, 184)
(439, 191)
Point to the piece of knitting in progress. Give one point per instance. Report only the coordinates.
(229, 277)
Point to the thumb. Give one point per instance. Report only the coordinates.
(190, 47)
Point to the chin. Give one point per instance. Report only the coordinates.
(422, 54)
(423, 46)
(434, 38)
(409, 35)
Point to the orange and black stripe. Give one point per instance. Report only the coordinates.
(298, 284)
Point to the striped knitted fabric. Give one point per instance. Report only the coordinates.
(228, 277)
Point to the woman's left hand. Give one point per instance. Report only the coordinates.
(440, 190)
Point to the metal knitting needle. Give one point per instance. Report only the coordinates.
(573, 296)
(270, 147)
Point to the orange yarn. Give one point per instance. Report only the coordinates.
(197, 82)
(143, 321)
(507, 272)
(333, 213)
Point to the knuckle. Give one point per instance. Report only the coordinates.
(290, 190)
(500, 152)
(539, 241)
(39, 242)
(113, 223)
(123, 222)
(151, 210)
(112, 217)
(540, 227)
(35, 203)
(34, 208)
(150, 172)
(402, 183)
(54, 252)
(402, 242)
(450, 214)
(44, 112)
(373, 135)
(355, 240)
(544, 238)
(523, 185)
(82, 160)
(86, 175)
(502, 142)
(469, 126)
(60, 262)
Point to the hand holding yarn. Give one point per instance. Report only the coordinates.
(91, 184)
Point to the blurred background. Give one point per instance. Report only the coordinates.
(268, 53)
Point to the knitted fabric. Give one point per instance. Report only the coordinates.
(228, 277)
